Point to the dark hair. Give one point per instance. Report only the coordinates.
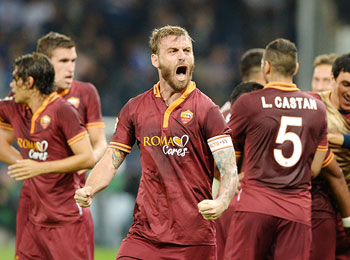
(242, 88)
(39, 67)
(341, 64)
(250, 62)
(282, 55)
(53, 40)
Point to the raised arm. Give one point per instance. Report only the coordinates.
(100, 177)
(224, 156)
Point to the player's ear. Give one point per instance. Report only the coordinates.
(29, 82)
(266, 67)
(296, 68)
(155, 60)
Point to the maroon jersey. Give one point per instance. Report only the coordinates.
(281, 138)
(47, 135)
(84, 97)
(177, 164)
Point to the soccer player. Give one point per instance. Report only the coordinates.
(61, 50)
(281, 138)
(172, 124)
(224, 221)
(338, 110)
(322, 76)
(54, 145)
(250, 70)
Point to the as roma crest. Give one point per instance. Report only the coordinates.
(186, 116)
(74, 101)
(45, 121)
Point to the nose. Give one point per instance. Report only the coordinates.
(181, 55)
(12, 83)
(71, 66)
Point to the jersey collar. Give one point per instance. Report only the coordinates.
(53, 96)
(281, 86)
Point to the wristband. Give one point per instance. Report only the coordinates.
(346, 222)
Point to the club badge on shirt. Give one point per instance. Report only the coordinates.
(45, 121)
(186, 116)
(74, 101)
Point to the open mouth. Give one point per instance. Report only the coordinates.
(181, 73)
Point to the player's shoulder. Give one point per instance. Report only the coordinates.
(202, 99)
(80, 86)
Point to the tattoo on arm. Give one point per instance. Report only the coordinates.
(226, 163)
(118, 157)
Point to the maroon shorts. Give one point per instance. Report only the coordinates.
(134, 247)
(255, 236)
(323, 239)
(343, 241)
(55, 243)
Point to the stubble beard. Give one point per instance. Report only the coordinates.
(178, 87)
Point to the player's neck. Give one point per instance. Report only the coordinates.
(36, 101)
(169, 95)
(280, 78)
(334, 100)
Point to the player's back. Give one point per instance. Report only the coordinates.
(283, 128)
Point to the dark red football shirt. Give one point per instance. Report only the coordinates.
(47, 136)
(177, 164)
(281, 133)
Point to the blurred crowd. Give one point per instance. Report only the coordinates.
(113, 53)
(112, 38)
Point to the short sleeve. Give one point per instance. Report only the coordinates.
(323, 143)
(124, 135)
(6, 109)
(93, 109)
(71, 124)
(215, 124)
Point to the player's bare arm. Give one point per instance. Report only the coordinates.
(226, 164)
(83, 158)
(98, 142)
(335, 178)
(8, 154)
(100, 177)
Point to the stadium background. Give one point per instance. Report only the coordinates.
(113, 54)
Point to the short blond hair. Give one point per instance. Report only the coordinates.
(325, 59)
(159, 33)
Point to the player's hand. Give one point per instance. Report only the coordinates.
(83, 196)
(25, 169)
(211, 209)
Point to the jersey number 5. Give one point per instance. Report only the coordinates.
(283, 136)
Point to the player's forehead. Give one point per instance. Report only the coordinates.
(344, 76)
(64, 53)
(324, 70)
(175, 41)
